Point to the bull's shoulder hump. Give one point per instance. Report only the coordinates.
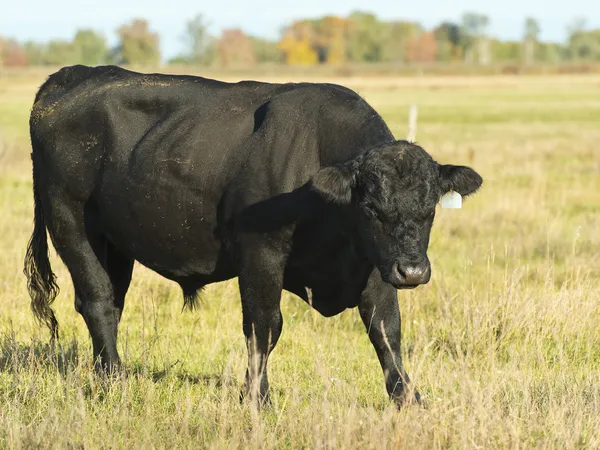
(320, 90)
(316, 97)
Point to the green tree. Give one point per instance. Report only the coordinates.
(449, 40)
(365, 37)
(475, 41)
(200, 45)
(138, 45)
(506, 51)
(35, 52)
(90, 47)
(530, 39)
(584, 45)
(266, 51)
(59, 53)
(551, 52)
(398, 40)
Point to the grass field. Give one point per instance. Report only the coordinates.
(503, 343)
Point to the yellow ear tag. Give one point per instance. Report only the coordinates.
(451, 200)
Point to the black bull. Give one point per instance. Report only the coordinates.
(299, 187)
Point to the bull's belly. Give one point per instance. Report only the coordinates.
(171, 231)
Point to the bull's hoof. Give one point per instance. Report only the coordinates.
(417, 399)
(110, 371)
(259, 400)
(407, 398)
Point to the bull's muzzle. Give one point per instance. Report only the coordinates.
(406, 276)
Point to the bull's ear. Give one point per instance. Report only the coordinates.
(335, 183)
(461, 179)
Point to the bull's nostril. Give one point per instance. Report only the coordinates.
(401, 273)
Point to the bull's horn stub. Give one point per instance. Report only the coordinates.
(451, 200)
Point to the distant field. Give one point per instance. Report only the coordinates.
(504, 342)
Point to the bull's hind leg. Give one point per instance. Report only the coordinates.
(93, 287)
(120, 269)
(118, 266)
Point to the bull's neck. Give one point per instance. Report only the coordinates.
(331, 232)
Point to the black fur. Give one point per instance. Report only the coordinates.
(335, 183)
(461, 179)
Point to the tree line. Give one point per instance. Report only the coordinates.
(331, 40)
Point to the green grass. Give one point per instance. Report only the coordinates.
(504, 342)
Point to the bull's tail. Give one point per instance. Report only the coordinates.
(41, 281)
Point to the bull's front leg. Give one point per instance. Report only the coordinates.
(261, 283)
(381, 315)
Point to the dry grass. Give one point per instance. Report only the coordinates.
(504, 343)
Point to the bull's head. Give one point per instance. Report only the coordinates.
(393, 190)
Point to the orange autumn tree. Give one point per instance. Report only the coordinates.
(12, 54)
(296, 44)
(235, 48)
(422, 48)
(330, 39)
(316, 41)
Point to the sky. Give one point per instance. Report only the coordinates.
(42, 20)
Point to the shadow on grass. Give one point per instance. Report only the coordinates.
(18, 356)
(159, 375)
(66, 358)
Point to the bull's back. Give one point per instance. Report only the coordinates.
(84, 117)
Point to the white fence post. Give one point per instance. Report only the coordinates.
(412, 123)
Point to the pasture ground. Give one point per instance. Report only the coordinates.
(503, 343)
